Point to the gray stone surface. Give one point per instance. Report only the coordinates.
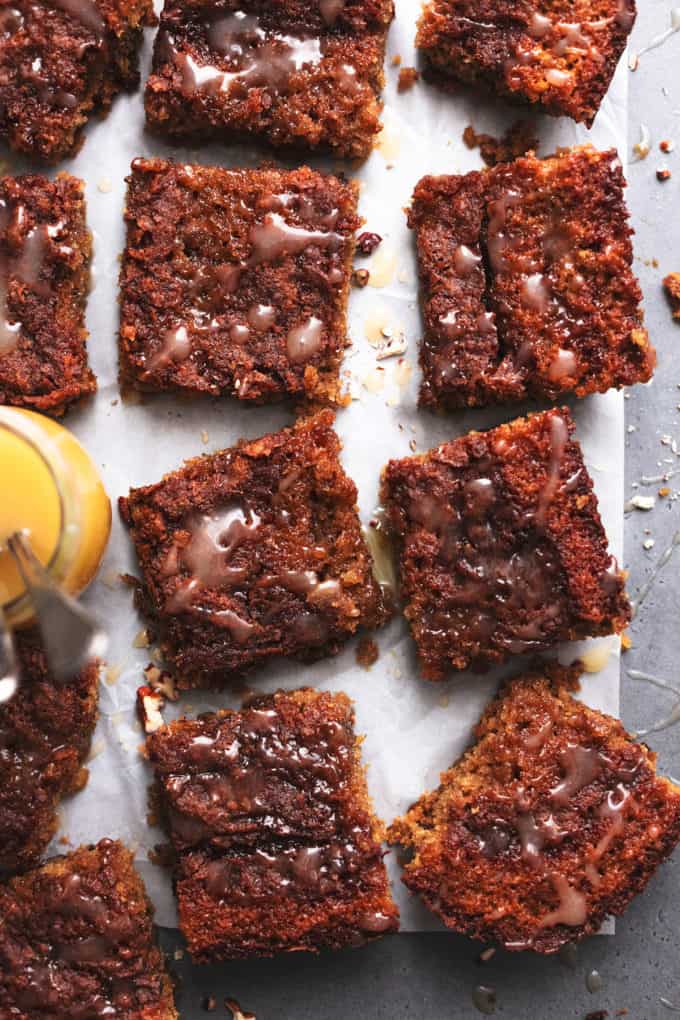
(433, 976)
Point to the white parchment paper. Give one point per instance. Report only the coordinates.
(413, 729)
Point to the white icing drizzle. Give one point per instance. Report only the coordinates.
(573, 905)
(264, 59)
(304, 341)
(214, 540)
(559, 437)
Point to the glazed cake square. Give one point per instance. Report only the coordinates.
(557, 56)
(236, 281)
(45, 732)
(277, 845)
(45, 250)
(501, 546)
(60, 63)
(252, 553)
(553, 820)
(526, 281)
(76, 940)
(289, 73)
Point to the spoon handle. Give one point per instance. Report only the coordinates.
(8, 662)
(71, 635)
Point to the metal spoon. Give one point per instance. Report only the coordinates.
(9, 670)
(71, 635)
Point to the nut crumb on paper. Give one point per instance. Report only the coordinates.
(112, 675)
(150, 705)
(638, 502)
(237, 1012)
(141, 639)
(374, 380)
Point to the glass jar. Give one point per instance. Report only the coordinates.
(51, 490)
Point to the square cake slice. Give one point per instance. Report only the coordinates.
(557, 55)
(526, 279)
(254, 552)
(61, 61)
(236, 281)
(553, 820)
(502, 549)
(278, 848)
(76, 941)
(45, 732)
(290, 73)
(45, 250)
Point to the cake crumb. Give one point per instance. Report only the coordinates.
(672, 286)
(368, 652)
(518, 140)
(104, 185)
(408, 76)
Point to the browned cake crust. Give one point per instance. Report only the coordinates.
(278, 848)
(254, 552)
(502, 549)
(527, 286)
(236, 281)
(45, 731)
(558, 54)
(552, 821)
(76, 942)
(60, 62)
(45, 250)
(289, 73)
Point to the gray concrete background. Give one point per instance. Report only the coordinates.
(433, 976)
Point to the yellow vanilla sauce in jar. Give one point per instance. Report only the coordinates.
(51, 491)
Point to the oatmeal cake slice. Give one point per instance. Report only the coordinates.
(289, 73)
(76, 942)
(501, 545)
(553, 820)
(61, 61)
(527, 287)
(45, 732)
(277, 846)
(557, 55)
(236, 281)
(45, 250)
(254, 552)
